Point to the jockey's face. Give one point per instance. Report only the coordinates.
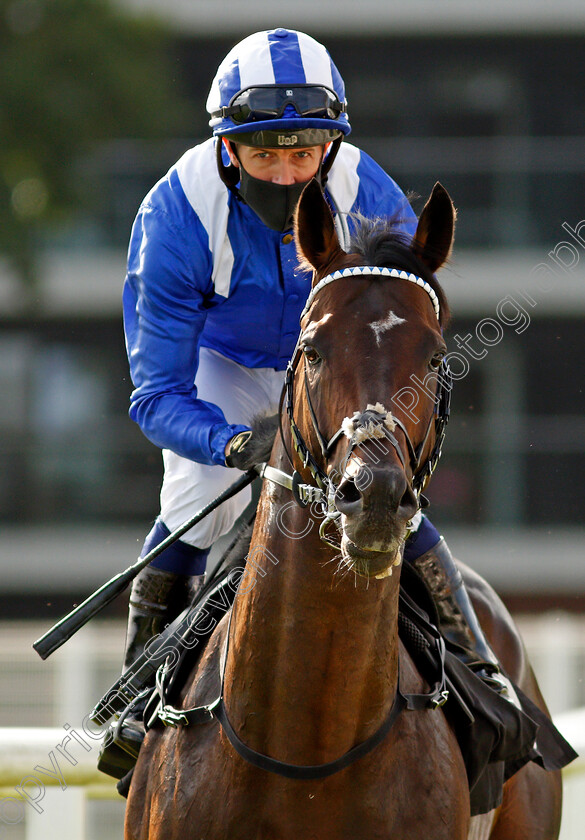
(281, 166)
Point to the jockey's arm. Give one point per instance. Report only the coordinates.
(167, 290)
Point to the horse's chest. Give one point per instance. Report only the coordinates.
(403, 791)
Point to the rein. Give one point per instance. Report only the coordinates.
(437, 697)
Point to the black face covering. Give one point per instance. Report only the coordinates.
(273, 203)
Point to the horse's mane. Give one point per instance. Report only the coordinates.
(379, 242)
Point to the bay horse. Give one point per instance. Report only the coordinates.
(309, 663)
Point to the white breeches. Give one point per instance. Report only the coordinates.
(241, 393)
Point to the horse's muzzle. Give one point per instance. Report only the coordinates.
(376, 503)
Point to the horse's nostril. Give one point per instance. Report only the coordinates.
(381, 492)
(408, 504)
(348, 497)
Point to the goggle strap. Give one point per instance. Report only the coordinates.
(230, 175)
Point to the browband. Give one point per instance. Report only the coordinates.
(364, 270)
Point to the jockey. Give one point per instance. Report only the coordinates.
(212, 301)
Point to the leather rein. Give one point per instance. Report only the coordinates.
(437, 697)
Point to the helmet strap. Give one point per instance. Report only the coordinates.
(329, 160)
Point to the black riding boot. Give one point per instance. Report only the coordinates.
(157, 597)
(458, 622)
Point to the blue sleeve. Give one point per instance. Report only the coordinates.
(380, 195)
(167, 290)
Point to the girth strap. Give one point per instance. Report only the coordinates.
(430, 640)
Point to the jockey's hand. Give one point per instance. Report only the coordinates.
(237, 452)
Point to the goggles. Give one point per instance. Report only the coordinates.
(269, 102)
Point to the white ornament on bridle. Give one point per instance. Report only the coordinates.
(365, 270)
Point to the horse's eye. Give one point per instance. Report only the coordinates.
(436, 360)
(311, 355)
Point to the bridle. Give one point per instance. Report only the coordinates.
(421, 470)
(324, 489)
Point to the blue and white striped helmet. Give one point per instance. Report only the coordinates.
(277, 58)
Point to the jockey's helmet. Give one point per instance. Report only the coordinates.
(278, 89)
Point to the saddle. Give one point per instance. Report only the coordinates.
(495, 737)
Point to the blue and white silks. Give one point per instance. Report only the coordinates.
(204, 271)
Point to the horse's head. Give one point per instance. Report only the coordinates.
(368, 377)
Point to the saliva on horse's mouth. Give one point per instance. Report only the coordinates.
(370, 563)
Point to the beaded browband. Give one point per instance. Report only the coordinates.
(364, 270)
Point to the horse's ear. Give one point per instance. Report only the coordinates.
(435, 232)
(315, 236)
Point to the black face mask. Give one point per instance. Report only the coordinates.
(273, 203)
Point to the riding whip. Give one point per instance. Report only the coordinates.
(77, 618)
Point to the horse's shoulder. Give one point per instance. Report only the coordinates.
(412, 727)
(412, 682)
(163, 745)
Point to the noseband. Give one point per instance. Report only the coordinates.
(374, 417)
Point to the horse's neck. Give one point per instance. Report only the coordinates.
(312, 664)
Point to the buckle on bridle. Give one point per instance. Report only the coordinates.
(440, 698)
(304, 494)
(172, 717)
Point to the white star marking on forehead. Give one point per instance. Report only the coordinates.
(379, 327)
